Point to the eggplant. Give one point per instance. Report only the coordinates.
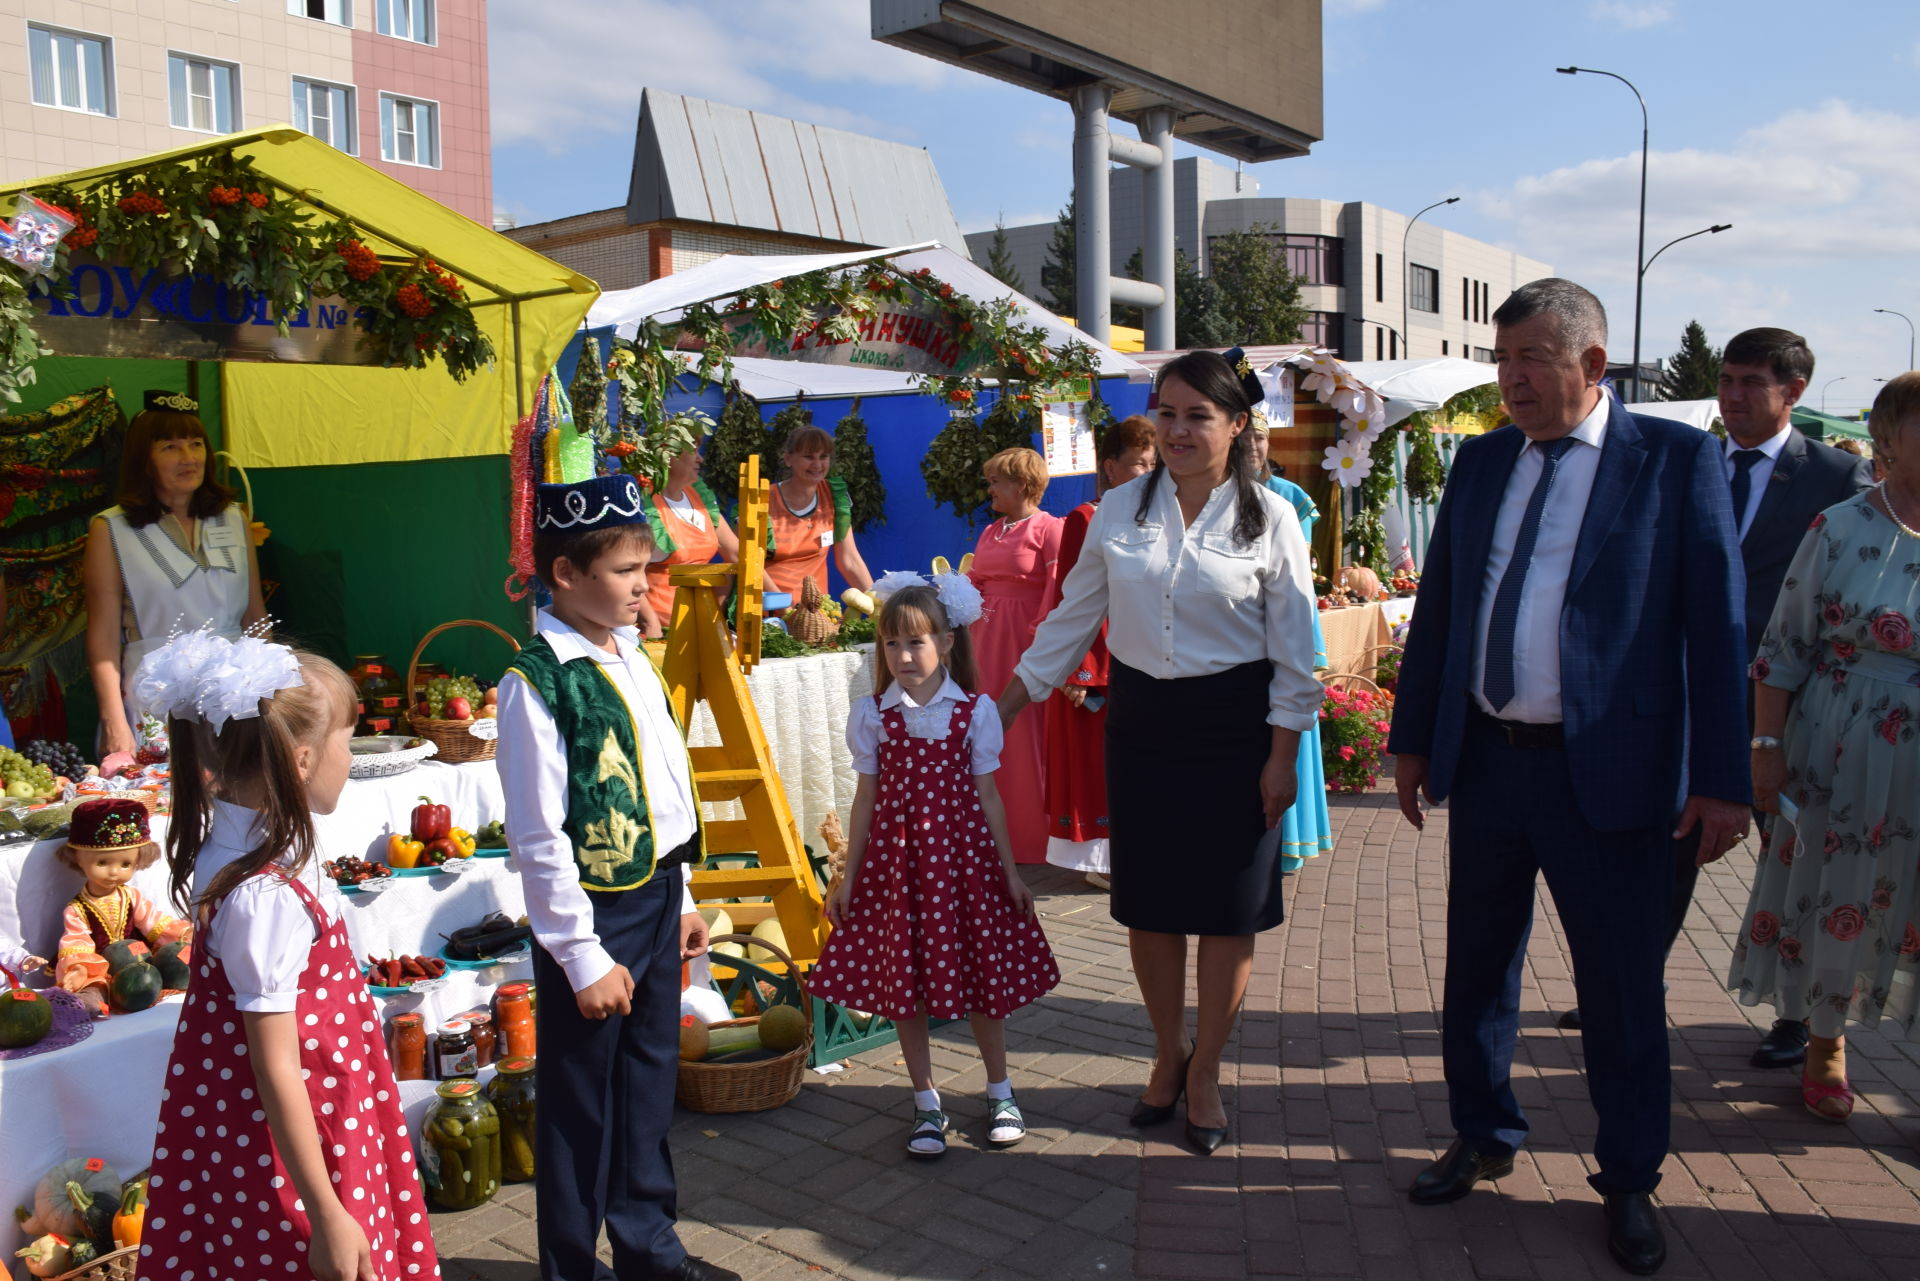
(478, 942)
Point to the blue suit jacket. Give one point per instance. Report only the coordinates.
(1652, 641)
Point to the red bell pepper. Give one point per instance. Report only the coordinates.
(431, 821)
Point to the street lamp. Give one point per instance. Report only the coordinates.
(1398, 336)
(1640, 249)
(1823, 391)
(1704, 231)
(1883, 311)
(1406, 276)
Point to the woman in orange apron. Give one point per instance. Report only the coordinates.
(810, 514)
(688, 529)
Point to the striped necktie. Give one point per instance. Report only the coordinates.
(1497, 681)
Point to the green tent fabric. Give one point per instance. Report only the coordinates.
(1820, 426)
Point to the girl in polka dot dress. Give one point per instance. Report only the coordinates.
(281, 1149)
(930, 918)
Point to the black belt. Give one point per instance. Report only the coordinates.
(687, 851)
(1523, 734)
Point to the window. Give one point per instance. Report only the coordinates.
(1379, 277)
(69, 70)
(326, 112)
(1444, 349)
(405, 20)
(1315, 259)
(409, 131)
(1483, 354)
(202, 93)
(1467, 298)
(1423, 288)
(1379, 344)
(1322, 329)
(339, 12)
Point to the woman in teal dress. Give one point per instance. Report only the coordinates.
(1306, 831)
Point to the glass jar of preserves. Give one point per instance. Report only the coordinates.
(511, 1092)
(480, 1027)
(407, 1047)
(453, 1051)
(513, 1015)
(460, 1154)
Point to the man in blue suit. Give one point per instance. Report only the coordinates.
(1575, 684)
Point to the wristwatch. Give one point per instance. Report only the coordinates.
(1765, 742)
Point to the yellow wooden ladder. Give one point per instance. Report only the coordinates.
(704, 663)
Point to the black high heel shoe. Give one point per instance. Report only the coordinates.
(1204, 1139)
(1145, 1114)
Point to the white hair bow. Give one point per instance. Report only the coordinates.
(201, 675)
(958, 596)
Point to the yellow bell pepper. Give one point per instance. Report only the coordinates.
(462, 839)
(404, 851)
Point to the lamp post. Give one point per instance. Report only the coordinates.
(1823, 390)
(1406, 277)
(1704, 231)
(1400, 337)
(1886, 311)
(1640, 249)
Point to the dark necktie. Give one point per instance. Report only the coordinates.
(1743, 461)
(1497, 681)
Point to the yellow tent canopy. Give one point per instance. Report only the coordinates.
(294, 415)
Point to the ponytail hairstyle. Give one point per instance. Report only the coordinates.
(258, 751)
(913, 611)
(1214, 376)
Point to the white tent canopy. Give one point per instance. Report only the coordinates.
(764, 378)
(1697, 413)
(626, 309)
(1416, 386)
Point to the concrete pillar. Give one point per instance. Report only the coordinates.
(1157, 253)
(1093, 257)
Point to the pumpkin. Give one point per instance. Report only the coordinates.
(121, 953)
(136, 988)
(171, 961)
(47, 1256)
(25, 1018)
(76, 1199)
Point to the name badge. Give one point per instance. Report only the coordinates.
(222, 537)
(826, 538)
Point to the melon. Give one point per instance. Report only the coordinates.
(693, 1039)
(170, 961)
(770, 931)
(137, 987)
(121, 953)
(783, 1028)
(718, 922)
(25, 1018)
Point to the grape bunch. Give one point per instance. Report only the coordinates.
(442, 688)
(62, 758)
(24, 778)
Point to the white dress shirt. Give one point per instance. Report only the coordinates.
(1183, 601)
(262, 933)
(1757, 476)
(984, 735)
(533, 772)
(1536, 632)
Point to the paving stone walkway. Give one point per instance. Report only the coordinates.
(1337, 1101)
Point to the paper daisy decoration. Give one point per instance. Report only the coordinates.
(1324, 375)
(1348, 461)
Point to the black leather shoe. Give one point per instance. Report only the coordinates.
(1570, 1021)
(1145, 1114)
(1633, 1233)
(1455, 1173)
(1784, 1046)
(692, 1269)
(1204, 1139)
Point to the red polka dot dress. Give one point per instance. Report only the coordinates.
(930, 926)
(220, 1203)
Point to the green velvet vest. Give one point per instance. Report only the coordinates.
(608, 815)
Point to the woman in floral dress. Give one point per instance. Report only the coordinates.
(1832, 931)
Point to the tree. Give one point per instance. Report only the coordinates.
(1000, 261)
(1259, 296)
(1056, 274)
(1694, 371)
(1197, 317)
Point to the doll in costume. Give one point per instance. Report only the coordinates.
(107, 843)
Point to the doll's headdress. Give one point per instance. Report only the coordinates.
(106, 824)
(201, 675)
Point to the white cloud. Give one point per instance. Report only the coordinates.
(1633, 17)
(562, 73)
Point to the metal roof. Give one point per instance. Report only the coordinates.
(700, 161)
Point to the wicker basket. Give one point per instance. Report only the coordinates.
(748, 1087)
(121, 1265)
(457, 746)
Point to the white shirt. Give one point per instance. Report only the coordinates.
(686, 509)
(1536, 631)
(1183, 601)
(261, 932)
(1757, 475)
(533, 772)
(984, 735)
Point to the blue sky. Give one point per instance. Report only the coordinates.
(1794, 123)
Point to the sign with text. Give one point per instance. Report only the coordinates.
(898, 337)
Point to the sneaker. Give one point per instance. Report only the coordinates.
(1005, 1125)
(929, 1137)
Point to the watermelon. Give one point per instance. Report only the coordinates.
(121, 953)
(25, 1018)
(137, 987)
(172, 965)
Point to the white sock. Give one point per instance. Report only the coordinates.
(926, 1100)
(1000, 1089)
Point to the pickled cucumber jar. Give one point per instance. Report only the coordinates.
(460, 1147)
(511, 1091)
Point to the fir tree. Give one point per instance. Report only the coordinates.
(1259, 296)
(1000, 261)
(1057, 274)
(1693, 373)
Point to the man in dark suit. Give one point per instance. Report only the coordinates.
(1574, 680)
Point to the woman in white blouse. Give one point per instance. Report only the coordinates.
(1203, 578)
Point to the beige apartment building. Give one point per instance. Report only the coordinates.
(402, 84)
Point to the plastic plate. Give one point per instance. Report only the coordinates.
(411, 989)
(502, 852)
(374, 885)
(520, 953)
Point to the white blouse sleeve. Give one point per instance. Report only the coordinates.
(262, 934)
(985, 737)
(1067, 632)
(863, 737)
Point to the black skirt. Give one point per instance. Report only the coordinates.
(1183, 799)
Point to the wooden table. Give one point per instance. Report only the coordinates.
(1352, 632)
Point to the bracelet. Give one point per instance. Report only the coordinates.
(1764, 743)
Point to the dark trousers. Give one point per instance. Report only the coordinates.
(606, 1098)
(1514, 816)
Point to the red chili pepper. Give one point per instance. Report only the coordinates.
(431, 821)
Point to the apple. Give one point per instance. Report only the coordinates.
(459, 709)
(493, 696)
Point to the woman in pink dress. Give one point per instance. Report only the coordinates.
(1013, 568)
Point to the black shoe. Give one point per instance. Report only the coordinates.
(1145, 1114)
(1784, 1046)
(1455, 1173)
(692, 1269)
(1205, 1140)
(1570, 1021)
(1633, 1233)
